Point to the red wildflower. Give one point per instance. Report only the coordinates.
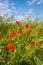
(26, 25)
(19, 30)
(10, 46)
(17, 22)
(27, 31)
(12, 34)
(31, 42)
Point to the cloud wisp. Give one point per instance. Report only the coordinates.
(34, 2)
(5, 7)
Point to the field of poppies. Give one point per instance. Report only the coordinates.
(21, 42)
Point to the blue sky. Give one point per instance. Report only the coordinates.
(18, 7)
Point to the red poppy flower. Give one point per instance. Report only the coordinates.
(10, 46)
(19, 30)
(12, 34)
(26, 25)
(31, 42)
(17, 22)
(27, 31)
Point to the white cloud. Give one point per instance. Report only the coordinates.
(34, 1)
(39, 2)
(30, 11)
(20, 17)
(4, 7)
(6, 11)
(31, 2)
(26, 14)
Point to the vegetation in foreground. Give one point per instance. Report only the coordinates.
(21, 42)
